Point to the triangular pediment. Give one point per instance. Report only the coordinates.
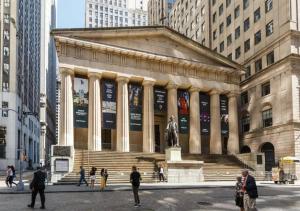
(152, 40)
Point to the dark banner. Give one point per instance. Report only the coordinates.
(135, 107)
(205, 113)
(80, 100)
(224, 115)
(109, 105)
(160, 100)
(183, 103)
(6, 48)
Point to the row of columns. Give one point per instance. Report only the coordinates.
(94, 130)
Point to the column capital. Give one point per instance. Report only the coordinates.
(194, 89)
(215, 92)
(171, 85)
(67, 71)
(148, 82)
(122, 78)
(94, 74)
(232, 94)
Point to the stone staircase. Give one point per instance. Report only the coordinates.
(216, 167)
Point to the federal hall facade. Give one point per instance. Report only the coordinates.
(120, 86)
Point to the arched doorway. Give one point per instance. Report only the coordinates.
(245, 149)
(268, 149)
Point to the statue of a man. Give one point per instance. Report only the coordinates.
(172, 133)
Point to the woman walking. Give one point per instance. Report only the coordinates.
(102, 183)
(239, 195)
(93, 177)
(105, 176)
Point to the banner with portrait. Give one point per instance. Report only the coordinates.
(135, 107)
(224, 115)
(109, 105)
(80, 102)
(160, 100)
(205, 113)
(183, 104)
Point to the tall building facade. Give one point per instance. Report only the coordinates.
(115, 13)
(20, 80)
(264, 37)
(48, 80)
(158, 11)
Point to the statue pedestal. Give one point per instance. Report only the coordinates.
(182, 171)
(173, 154)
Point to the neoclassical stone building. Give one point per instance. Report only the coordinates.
(119, 86)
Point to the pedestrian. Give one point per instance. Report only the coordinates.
(105, 176)
(13, 175)
(161, 173)
(93, 176)
(250, 191)
(8, 176)
(82, 177)
(102, 182)
(135, 178)
(38, 186)
(239, 195)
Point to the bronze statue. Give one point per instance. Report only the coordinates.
(172, 133)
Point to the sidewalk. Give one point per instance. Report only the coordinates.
(127, 187)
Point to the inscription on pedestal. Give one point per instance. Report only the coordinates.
(64, 151)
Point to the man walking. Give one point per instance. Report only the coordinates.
(82, 177)
(161, 173)
(135, 179)
(250, 191)
(38, 186)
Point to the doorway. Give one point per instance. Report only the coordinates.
(268, 149)
(224, 145)
(157, 138)
(106, 139)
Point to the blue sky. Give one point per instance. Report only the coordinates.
(70, 13)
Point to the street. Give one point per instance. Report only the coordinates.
(272, 198)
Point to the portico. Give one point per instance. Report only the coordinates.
(120, 86)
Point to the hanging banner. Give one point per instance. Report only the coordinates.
(109, 105)
(205, 113)
(80, 101)
(135, 107)
(224, 115)
(6, 48)
(160, 100)
(183, 103)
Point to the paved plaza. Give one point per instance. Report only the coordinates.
(206, 197)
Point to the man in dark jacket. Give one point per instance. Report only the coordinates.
(38, 186)
(135, 179)
(250, 191)
(82, 177)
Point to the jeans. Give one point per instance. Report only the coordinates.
(82, 179)
(135, 190)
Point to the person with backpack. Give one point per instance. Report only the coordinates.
(135, 178)
(38, 186)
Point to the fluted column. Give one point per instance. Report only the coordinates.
(215, 123)
(233, 141)
(94, 129)
(195, 135)
(148, 117)
(172, 101)
(66, 108)
(122, 115)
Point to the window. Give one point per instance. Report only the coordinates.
(203, 11)
(215, 34)
(248, 72)
(213, 2)
(246, 24)
(265, 89)
(246, 123)
(258, 65)
(221, 9)
(269, 28)
(4, 109)
(237, 12)
(5, 51)
(244, 98)
(270, 58)
(203, 27)
(221, 46)
(245, 4)
(214, 17)
(229, 40)
(268, 5)
(228, 20)
(237, 33)
(257, 37)
(237, 53)
(197, 34)
(228, 2)
(6, 3)
(256, 15)
(247, 45)
(221, 28)
(229, 56)
(267, 118)
(203, 42)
